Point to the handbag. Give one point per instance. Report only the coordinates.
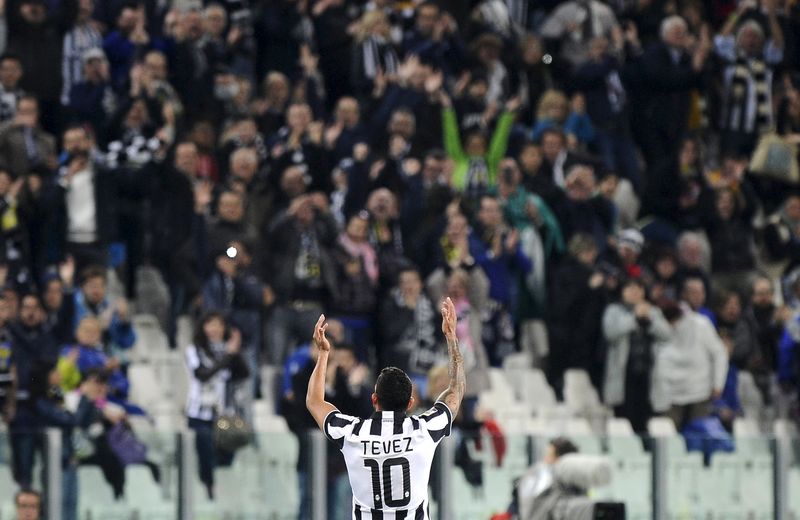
(125, 445)
(776, 158)
(231, 432)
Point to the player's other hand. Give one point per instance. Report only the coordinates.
(320, 341)
(449, 318)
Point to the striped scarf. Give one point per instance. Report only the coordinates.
(379, 54)
(744, 69)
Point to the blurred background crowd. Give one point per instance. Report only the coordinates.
(609, 186)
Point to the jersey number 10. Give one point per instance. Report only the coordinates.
(388, 498)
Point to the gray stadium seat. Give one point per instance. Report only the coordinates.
(150, 338)
(661, 427)
(578, 388)
(145, 388)
(750, 396)
(531, 388)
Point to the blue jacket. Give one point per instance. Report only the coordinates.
(94, 358)
(120, 333)
(503, 272)
(788, 359)
(578, 124)
(730, 395)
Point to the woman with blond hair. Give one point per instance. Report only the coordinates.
(555, 110)
(374, 54)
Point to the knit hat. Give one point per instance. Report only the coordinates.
(95, 53)
(632, 238)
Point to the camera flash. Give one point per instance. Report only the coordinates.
(231, 252)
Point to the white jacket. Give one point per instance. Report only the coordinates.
(694, 362)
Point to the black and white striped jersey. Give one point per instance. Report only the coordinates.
(389, 459)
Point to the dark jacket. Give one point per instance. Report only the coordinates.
(732, 246)
(575, 315)
(105, 199)
(407, 343)
(39, 47)
(285, 240)
(13, 152)
(666, 187)
(171, 209)
(594, 216)
(91, 103)
(219, 234)
(240, 298)
(52, 413)
(35, 352)
(667, 87)
(592, 78)
(355, 294)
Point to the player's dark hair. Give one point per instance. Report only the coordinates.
(393, 388)
(562, 446)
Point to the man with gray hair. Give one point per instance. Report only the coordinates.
(747, 78)
(671, 69)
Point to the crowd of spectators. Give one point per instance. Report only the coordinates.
(610, 186)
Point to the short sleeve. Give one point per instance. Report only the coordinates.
(438, 421)
(337, 426)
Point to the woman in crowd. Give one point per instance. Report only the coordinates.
(215, 364)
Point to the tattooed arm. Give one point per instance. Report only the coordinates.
(458, 384)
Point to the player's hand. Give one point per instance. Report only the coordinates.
(319, 339)
(449, 318)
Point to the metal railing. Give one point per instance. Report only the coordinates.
(264, 481)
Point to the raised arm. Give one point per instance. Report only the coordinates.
(458, 384)
(315, 398)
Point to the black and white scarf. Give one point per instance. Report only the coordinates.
(745, 70)
(419, 338)
(379, 54)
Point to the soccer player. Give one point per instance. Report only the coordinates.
(389, 455)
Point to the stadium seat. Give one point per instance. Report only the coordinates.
(499, 384)
(185, 332)
(684, 474)
(150, 339)
(93, 489)
(750, 396)
(631, 484)
(263, 408)
(144, 387)
(530, 387)
(516, 361)
(7, 489)
(621, 440)
(619, 427)
(579, 431)
(579, 394)
(661, 427)
(271, 424)
(784, 428)
(794, 484)
(512, 415)
(745, 427)
(140, 488)
(269, 378)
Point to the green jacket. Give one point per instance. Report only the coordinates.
(516, 213)
(452, 145)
